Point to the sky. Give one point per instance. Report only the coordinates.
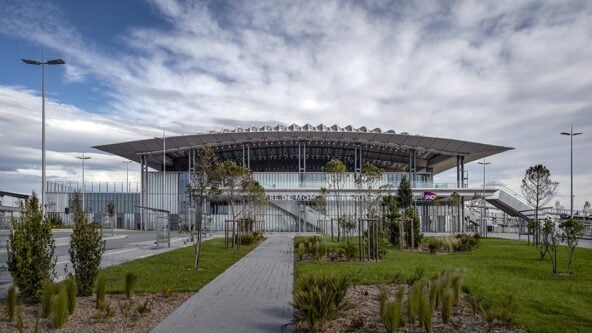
(510, 73)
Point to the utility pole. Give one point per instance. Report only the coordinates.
(83, 186)
(43, 63)
(571, 135)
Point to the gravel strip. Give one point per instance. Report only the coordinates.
(83, 318)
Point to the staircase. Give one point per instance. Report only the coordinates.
(301, 212)
(514, 204)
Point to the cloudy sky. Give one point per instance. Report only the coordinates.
(513, 73)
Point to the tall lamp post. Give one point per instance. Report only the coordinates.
(83, 186)
(127, 173)
(483, 207)
(571, 135)
(43, 63)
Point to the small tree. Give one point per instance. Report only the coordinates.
(204, 183)
(336, 176)
(232, 182)
(551, 241)
(411, 220)
(320, 204)
(538, 188)
(86, 248)
(572, 229)
(30, 250)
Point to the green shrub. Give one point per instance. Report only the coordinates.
(447, 302)
(11, 303)
(100, 291)
(301, 249)
(350, 250)
(46, 294)
(433, 244)
(59, 309)
(71, 292)
(130, 284)
(466, 243)
(86, 248)
(247, 239)
(391, 313)
(37, 328)
(30, 250)
(20, 325)
(317, 299)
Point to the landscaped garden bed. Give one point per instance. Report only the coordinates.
(138, 294)
(86, 318)
(506, 288)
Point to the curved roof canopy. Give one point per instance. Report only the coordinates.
(277, 148)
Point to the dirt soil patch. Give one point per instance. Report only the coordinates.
(363, 315)
(83, 319)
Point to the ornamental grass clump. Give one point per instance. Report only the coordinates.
(71, 292)
(391, 312)
(301, 249)
(318, 299)
(20, 325)
(100, 291)
(46, 294)
(59, 309)
(11, 303)
(130, 284)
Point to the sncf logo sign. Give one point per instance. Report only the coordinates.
(429, 196)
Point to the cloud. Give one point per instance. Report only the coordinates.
(509, 73)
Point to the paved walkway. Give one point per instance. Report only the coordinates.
(253, 295)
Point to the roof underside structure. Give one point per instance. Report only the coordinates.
(278, 148)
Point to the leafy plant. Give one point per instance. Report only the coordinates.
(130, 284)
(30, 250)
(71, 291)
(572, 229)
(11, 303)
(46, 294)
(301, 249)
(105, 311)
(318, 299)
(20, 325)
(86, 248)
(100, 291)
(144, 307)
(391, 313)
(350, 250)
(125, 308)
(447, 303)
(59, 309)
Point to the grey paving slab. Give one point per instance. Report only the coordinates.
(253, 295)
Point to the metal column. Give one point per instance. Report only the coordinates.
(412, 166)
(358, 159)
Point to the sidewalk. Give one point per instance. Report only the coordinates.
(253, 295)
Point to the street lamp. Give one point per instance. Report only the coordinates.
(43, 63)
(483, 208)
(571, 135)
(127, 173)
(83, 187)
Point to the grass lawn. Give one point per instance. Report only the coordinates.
(498, 268)
(175, 268)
